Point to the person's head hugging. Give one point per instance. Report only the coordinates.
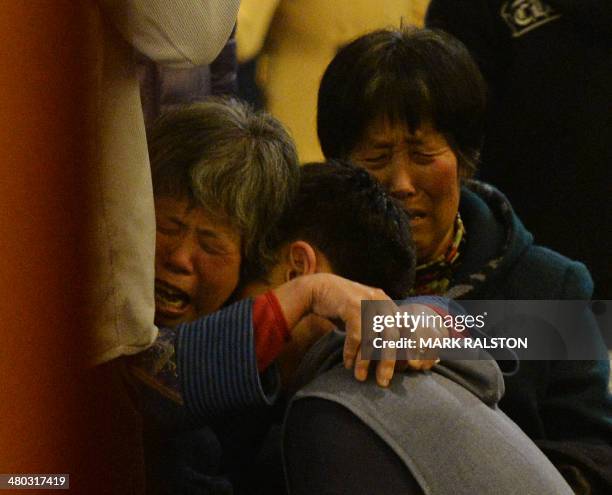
(222, 176)
(341, 222)
(408, 106)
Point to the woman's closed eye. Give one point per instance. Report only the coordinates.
(169, 225)
(215, 247)
(168, 230)
(426, 156)
(376, 161)
(423, 157)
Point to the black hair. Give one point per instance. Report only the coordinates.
(410, 76)
(346, 214)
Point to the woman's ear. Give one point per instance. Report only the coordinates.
(302, 260)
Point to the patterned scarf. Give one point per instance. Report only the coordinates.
(433, 277)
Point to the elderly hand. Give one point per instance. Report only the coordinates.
(336, 298)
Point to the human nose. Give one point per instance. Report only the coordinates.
(178, 256)
(401, 182)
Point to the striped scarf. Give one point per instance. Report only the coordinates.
(434, 277)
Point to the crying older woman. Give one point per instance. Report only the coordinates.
(408, 106)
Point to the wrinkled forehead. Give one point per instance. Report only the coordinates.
(384, 129)
(187, 209)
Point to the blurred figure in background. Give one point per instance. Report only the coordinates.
(295, 40)
(163, 88)
(548, 65)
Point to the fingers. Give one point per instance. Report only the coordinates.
(384, 368)
(384, 372)
(423, 359)
(422, 364)
(361, 368)
(385, 365)
(352, 343)
(388, 356)
(335, 298)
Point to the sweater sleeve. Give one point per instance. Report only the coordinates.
(217, 365)
(179, 33)
(270, 328)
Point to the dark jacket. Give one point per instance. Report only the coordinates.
(547, 140)
(565, 406)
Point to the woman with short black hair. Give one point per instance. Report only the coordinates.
(408, 106)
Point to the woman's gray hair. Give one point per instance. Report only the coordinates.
(232, 161)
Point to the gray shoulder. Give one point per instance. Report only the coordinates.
(430, 420)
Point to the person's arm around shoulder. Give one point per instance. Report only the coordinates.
(217, 363)
(336, 298)
(209, 366)
(177, 33)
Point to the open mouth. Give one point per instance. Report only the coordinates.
(169, 299)
(415, 215)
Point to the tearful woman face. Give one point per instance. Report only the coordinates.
(197, 261)
(419, 169)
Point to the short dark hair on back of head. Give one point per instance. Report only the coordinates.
(346, 214)
(410, 76)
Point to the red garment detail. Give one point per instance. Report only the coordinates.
(269, 328)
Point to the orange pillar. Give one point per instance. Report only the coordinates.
(43, 171)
